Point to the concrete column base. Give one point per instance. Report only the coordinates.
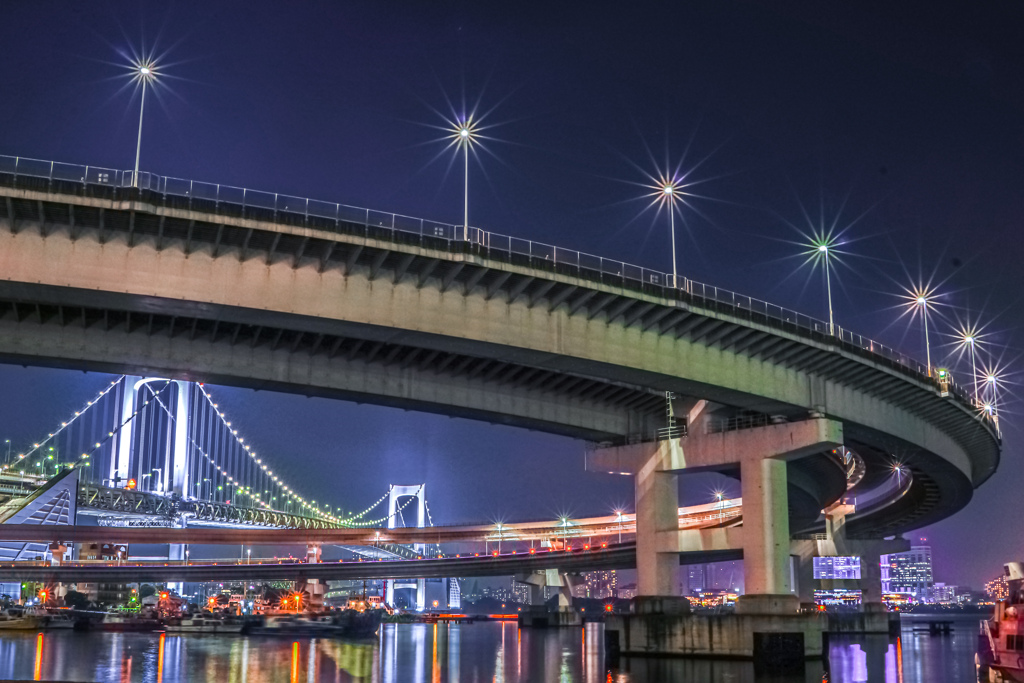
(539, 617)
(784, 603)
(666, 605)
(873, 619)
(786, 639)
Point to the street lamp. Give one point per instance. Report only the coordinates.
(823, 250)
(970, 339)
(465, 136)
(144, 72)
(618, 516)
(922, 297)
(668, 197)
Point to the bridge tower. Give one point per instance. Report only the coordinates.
(139, 439)
(420, 494)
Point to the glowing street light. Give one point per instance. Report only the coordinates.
(824, 251)
(720, 497)
(967, 336)
(143, 72)
(464, 135)
(921, 298)
(668, 197)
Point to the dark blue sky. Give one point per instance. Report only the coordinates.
(902, 126)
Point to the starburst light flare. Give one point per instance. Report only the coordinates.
(820, 250)
(921, 299)
(144, 71)
(464, 134)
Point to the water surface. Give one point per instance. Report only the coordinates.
(494, 652)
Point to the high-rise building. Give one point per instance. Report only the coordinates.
(944, 595)
(604, 584)
(696, 579)
(520, 592)
(908, 572)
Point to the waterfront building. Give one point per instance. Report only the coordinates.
(909, 572)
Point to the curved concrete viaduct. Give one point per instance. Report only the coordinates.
(156, 282)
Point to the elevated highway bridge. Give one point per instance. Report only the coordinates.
(613, 557)
(199, 281)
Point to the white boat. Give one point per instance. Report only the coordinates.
(19, 622)
(1005, 632)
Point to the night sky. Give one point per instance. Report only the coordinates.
(902, 129)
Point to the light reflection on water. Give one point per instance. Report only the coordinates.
(496, 652)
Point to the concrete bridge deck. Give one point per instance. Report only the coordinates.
(262, 291)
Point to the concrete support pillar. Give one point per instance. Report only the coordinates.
(761, 453)
(766, 526)
(657, 511)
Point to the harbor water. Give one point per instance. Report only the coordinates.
(456, 653)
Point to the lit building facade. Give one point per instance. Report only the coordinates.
(997, 588)
(909, 572)
(604, 584)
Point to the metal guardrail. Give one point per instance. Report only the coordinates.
(232, 201)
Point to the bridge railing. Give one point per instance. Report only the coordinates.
(226, 200)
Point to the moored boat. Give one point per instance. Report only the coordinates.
(120, 622)
(19, 621)
(347, 624)
(1004, 632)
(204, 623)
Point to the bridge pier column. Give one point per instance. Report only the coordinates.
(766, 563)
(768, 605)
(657, 512)
(313, 587)
(538, 615)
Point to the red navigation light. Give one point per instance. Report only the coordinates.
(604, 545)
(533, 550)
(131, 484)
(42, 595)
(586, 546)
(164, 596)
(494, 552)
(608, 608)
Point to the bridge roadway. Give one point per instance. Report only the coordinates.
(711, 515)
(614, 557)
(200, 281)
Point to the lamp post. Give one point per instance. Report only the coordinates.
(824, 250)
(668, 195)
(991, 382)
(618, 517)
(922, 300)
(974, 368)
(144, 73)
(464, 138)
